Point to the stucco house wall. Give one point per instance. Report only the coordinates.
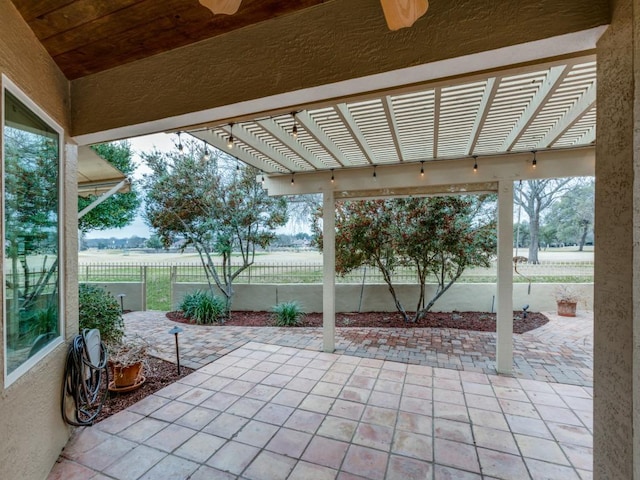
(33, 432)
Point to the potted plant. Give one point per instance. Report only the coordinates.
(126, 364)
(567, 300)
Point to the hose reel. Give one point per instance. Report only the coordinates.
(86, 378)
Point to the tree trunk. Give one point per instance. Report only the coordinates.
(534, 230)
(583, 237)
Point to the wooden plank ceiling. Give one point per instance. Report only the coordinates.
(88, 36)
(535, 108)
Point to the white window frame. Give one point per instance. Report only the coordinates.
(7, 85)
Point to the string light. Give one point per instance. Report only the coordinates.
(422, 168)
(475, 163)
(230, 139)
(237, 165)
(294, 130)
(180, 146)
(206, 155)
(333, 178)
(534, 162)
(292, 180)
(262, 177)
(374, 173)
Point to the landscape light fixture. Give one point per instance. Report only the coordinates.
(475, 163)
(175, 331)
(230, 139)
(534, 162)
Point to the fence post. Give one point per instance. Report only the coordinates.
(144, 287)
(173, 276)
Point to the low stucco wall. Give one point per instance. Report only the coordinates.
(134, 293)
(376, 298)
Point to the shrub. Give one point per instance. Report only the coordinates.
(203, 307)
(288, 314)
(99, 309)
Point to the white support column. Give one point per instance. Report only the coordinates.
(329, 271)
(504, 317)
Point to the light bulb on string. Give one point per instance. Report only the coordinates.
(375, 175)
(294, 130)
(475, 163)
(333, 179)
(206, 155)
(534, 162)
(292, 180)
(422, 168)
(180, 146)
(230, 140)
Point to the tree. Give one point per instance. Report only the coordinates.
(215, 209)
(154, 242)
(439, 236)
(120, 209)
(534, 197)
(572, 216)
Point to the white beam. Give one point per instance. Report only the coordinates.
(514, 166)
(343, 111)
(582, 106)
(328, 272)
(240, 133)
(291, 143)
(221, 144)
(504, 297)
(393, 126)
(322, 138)
(436, 119)
(548, 87)
(483, 110)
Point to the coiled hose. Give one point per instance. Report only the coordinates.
(83, 381)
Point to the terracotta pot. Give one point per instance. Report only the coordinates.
(126, 376)
(567, 309)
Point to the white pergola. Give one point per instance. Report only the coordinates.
(425, 139)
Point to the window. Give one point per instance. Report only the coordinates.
(31, 215)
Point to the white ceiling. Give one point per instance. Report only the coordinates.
(521, 109)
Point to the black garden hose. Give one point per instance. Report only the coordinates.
(83, 381)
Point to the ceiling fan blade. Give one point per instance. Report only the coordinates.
(402, 13)
(228, 7)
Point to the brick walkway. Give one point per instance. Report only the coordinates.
(561, 351)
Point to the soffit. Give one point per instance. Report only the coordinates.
(96, 175)
(521, 109)
(85, 37)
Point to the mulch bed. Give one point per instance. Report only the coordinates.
(477, 321)
(158, 374)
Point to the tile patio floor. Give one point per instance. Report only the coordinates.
(265, 411)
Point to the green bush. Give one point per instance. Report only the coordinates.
(203, 307)
(288, 314)
(99, 309)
